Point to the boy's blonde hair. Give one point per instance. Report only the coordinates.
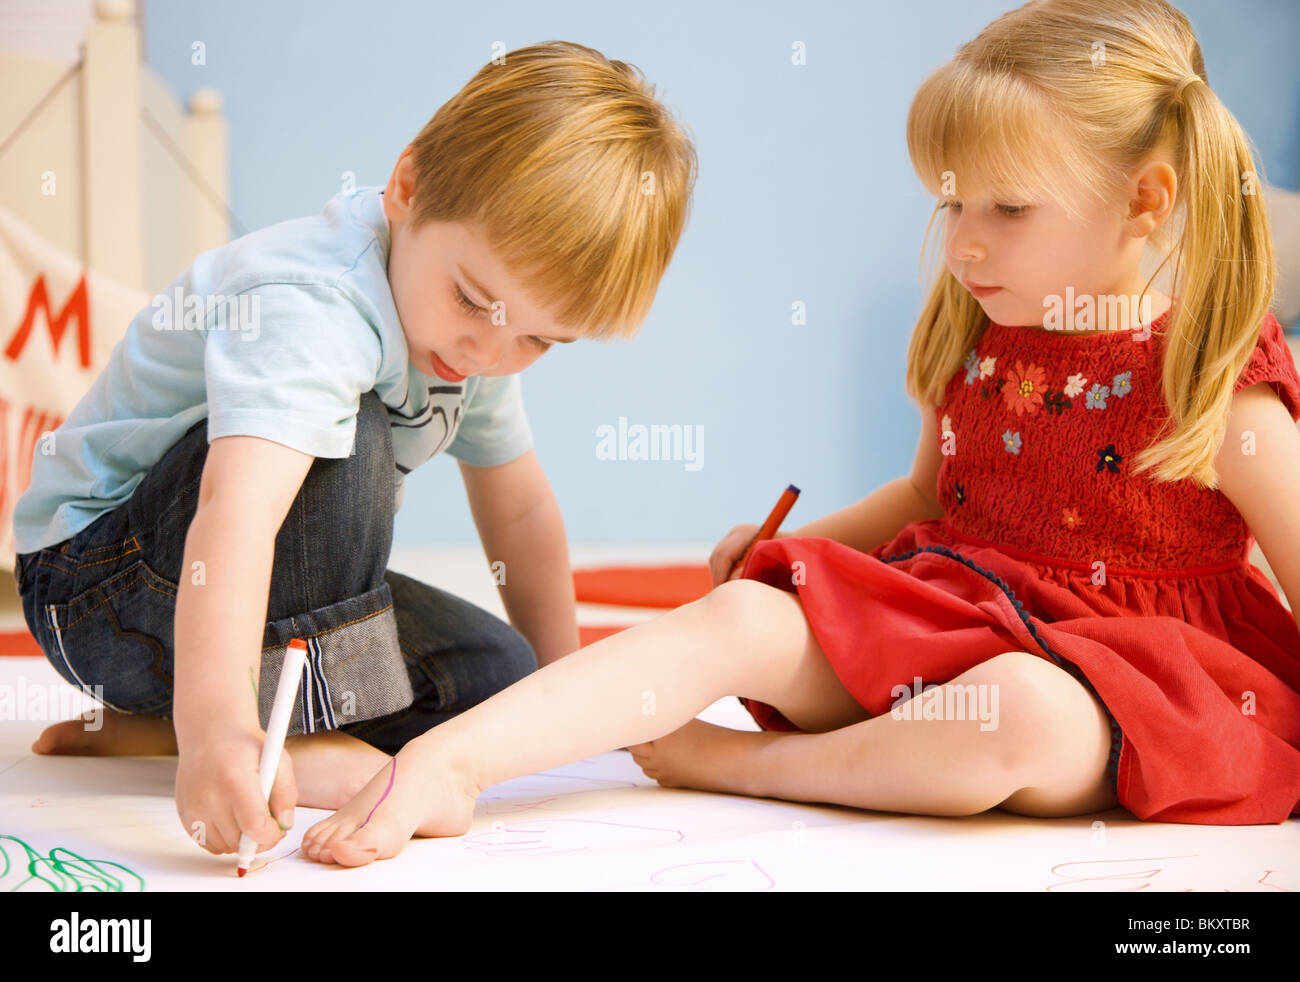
(1106, 74)
(579, 179)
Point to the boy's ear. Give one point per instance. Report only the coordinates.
(400, 192)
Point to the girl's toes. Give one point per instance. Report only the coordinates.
(357, 849)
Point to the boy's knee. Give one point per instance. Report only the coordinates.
(374, 432)
(513, 658)
(367, 475)
(518, 656)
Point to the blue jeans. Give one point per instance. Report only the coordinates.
(388, 656)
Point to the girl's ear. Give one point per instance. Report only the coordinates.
(1153, 192)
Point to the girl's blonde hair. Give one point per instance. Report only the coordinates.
(580, 180)
(1106, 75)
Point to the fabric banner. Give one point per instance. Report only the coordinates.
(60, 323)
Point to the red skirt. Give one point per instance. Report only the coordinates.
(1199, 673)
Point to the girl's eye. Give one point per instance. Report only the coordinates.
(1011, 211)
(544, 345)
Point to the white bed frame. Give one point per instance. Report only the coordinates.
(140, 184)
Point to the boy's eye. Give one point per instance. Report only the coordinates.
(470, 307)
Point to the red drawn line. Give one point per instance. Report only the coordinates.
(1130, 875)
(275, 860)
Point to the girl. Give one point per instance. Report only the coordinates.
(1067, 565)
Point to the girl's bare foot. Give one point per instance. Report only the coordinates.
(107, 733)
(331, 767)
(418, 793)
(703, 756)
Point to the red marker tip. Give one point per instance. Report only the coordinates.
(242, 870)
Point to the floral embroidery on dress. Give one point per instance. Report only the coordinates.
(1121, 384)
(1109, 459)
(1011, 441)
(1056, 402)
(1024, 390)
(1074, 385)
(1070, 518)
(972, 366)
(1097, 395)
(961, 493)
(986, 366)
(945, 426)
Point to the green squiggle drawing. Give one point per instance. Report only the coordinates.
(64, 871)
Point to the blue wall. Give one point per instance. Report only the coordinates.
(805, 193)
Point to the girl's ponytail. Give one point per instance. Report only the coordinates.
(1226, 281)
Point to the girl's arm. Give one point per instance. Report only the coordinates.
(881, 515)
(1262, 484)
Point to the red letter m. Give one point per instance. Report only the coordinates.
(76, 306)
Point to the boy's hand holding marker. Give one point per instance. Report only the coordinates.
(215, 777)
(217, 792)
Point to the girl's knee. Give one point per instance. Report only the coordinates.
(742, 601)
(1044, 712)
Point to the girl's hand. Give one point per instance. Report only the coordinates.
(726, 552)
(219, 797)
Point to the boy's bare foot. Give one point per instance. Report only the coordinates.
(331, 767)
(416, 794)
(703, 756)
(108, 733)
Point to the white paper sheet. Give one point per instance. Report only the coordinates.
(602, 825)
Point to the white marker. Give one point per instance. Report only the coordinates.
(295, 656)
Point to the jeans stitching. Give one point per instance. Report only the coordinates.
(330, 630)
(112, 559)
(141, 570)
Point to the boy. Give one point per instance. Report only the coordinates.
(229, 481)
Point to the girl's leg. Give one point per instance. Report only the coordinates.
(743, 638)
(1048, 759)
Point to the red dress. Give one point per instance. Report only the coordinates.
(1141, 590)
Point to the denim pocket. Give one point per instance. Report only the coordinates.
(114, 639)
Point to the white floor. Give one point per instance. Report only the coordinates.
(596, 824)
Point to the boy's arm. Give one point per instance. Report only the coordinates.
(881, 515)
(520, 525)
(247, 487)
(1262, 484)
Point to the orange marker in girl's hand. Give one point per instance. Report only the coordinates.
(769, 527)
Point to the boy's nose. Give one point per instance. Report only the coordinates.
(486, 349)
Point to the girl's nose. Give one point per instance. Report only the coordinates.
(964, 245)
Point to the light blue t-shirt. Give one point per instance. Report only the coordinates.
(276, 335)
